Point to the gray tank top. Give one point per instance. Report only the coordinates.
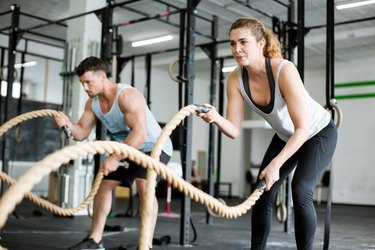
(279, 117)
(117, 128)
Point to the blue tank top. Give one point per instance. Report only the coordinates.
(278, 116)
(117, 128)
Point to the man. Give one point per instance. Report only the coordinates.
(123, 111)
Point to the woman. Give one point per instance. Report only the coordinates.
(305, 135)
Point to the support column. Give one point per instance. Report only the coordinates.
(83, 40)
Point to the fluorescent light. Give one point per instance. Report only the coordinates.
(26, 64)
(152, 41)
(228, 69)
(356, 4)
(16, 90)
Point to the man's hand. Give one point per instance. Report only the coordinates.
(110, 164)
(62, 120)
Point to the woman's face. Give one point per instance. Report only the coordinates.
(245, 49)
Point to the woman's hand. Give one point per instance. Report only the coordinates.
(209, 116)
(270, 174)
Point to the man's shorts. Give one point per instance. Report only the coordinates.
(127, 175)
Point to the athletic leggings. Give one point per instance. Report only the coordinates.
(309, 163)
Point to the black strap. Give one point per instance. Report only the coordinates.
(245, 82)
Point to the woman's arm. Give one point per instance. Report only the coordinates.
(231, 125)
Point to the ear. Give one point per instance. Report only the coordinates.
(262, 43)
(103, 75)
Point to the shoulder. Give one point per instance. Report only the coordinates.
(88, 104)
(233, 78)
(130, 97)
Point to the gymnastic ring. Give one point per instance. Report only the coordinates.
(212, 212)
(281, 213)
(170, 71)
(336, 107)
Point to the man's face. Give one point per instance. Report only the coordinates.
(92, 82)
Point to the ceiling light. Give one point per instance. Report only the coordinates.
(228, 69)
(152, 41)
(26, 64)
(355, 4)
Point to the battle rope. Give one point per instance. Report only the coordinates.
(32, 197)
(53, 161)
(52, 207)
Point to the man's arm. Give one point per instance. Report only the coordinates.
(82, 129)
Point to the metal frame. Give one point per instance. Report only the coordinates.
(12, 44)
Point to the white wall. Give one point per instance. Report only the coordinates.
(353, 163)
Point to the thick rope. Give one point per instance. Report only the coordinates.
(18, 190)
(32, 197)
(53, 161)
(147, 209)
(24, 117)
(52, 207)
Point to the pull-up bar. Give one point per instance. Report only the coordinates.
(344, 22)
(142, 19)
(79, 15)
(253, 8)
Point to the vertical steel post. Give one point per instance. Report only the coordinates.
(330, 86)
(212, 189)
(301, 38)
(188, 98)
(12, 44)
(148, 79)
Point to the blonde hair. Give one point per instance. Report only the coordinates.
(272, 48)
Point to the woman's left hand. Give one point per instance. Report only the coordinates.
(270, 174)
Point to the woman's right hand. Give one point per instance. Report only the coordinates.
(209, 116)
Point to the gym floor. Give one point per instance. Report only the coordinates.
(31, 227)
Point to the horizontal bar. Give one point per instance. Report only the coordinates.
(354, 84)
(163, 21)
(42, 19)
(37, 55)
(279, 2)
(176, 7)
(355, 96)
(5, 12)
(142, 19)
(342, 23)
(253, 8)
(5, 28)
(78, 15)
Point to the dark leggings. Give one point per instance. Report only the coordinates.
(309, 163)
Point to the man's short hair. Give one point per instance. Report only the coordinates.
(91, 64)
